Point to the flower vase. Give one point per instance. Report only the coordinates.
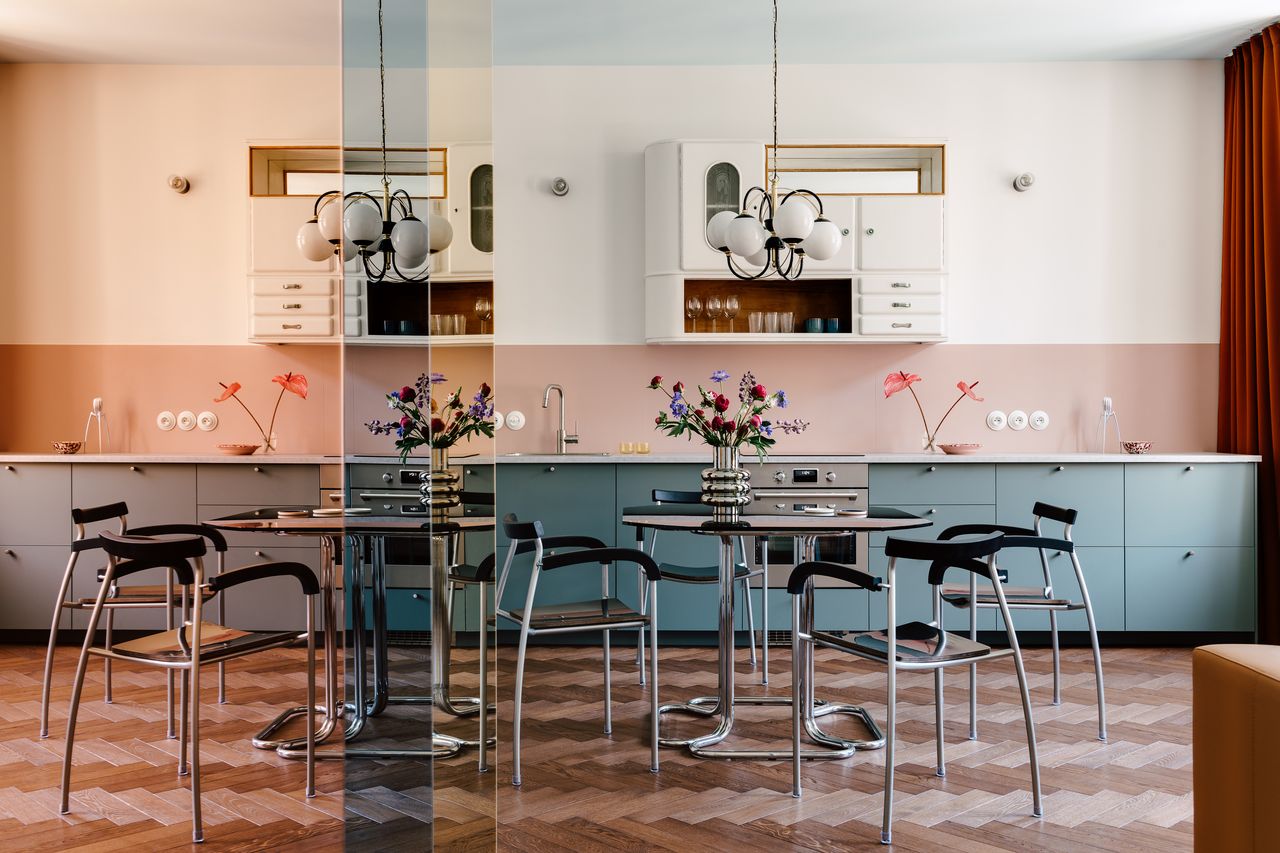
(439, 489)
(724, 485)
(929, 444)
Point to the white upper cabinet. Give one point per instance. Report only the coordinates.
(900, 233)
(470, 209)
(839, 209)
(713, 177)
(273, 236)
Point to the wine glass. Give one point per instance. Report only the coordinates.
(714, 307)
(483, 310)
(692, 308)
(731, 307)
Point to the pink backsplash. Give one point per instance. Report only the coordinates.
(1163, 393)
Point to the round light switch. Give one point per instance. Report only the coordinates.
(186, 421)
(499, 420)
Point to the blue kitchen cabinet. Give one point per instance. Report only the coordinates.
(914, 600)
(1096, 490)
(1191, 505)
(409, 610)
(842, 608)
(476, 544)
(941, 517)
(913, 483)
(570, 499)
(1189, 589)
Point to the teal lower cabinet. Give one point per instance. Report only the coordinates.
(409, 609)
(942, 516)
(914, 600)
(1189, 589)
(1097, 491)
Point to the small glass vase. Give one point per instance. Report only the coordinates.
(439, 489)
(929, 444)
(725, 485)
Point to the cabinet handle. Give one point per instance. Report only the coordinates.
(335, 497)
(8, 552)
(297, 326)
(1061, 468)
(259, 554)
(900, 325)
(257, 469)
(1191, 467)
(931, 469)
(417, 596)
(8, 467)
(901, 304)
(1190, 554)
(551, 469)
(870, 231)
(291, 306)
(292, 286)
(900, 284)
(133, 467)
(470, 473)
(932, 511)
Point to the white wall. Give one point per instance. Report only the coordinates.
(1119, 241)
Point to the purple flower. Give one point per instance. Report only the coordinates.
(679, 407)
(767, 429)
(744, 387)
(782, 398)
(793, 427)
(437, 378)
(720, 376)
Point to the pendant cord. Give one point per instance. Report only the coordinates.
(382, 100)
(775, 94)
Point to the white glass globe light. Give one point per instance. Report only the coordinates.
(312, 244)
(409, 239)
(363, 223)
(330, 219)
(349, 250)
(440, 233)
(745, 235)
(759, 259)
(823, 241)
(717, 227)
(793, 220)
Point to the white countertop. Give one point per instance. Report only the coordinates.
(172, 458)
(704, 458)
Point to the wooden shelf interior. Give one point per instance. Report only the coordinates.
(405, 309)
(815, 297)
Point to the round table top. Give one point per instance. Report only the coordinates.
(267, 520)
(698, 520)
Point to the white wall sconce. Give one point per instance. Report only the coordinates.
(179, 184)
(559, 187)
(1024, 182)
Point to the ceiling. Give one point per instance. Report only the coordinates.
(622, 32)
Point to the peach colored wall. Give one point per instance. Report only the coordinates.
(1163, 392)
(46, 391)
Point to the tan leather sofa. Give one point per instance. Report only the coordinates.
(1236, 747)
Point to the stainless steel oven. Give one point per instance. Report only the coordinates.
(393, 490)
(788, 488)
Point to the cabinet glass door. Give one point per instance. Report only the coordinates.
(724, 189)
(482, 207)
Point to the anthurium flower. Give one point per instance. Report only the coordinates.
(295, 382)
(967, 390)
(899, 381)
(228, 391)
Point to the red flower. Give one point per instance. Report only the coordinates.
(228, 393)
(899, 381)
(700, 413)
(295, 382)
(722, 403)
(731, 426)
(755, 421)
(658, 419)
(406, 422)
(437, 425)
(655, 382)
(407, 394)
(485, 390)
(677, 388)
(967, 390)
(758, 392)
(717, 422)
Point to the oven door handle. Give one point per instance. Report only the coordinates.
(766, 494)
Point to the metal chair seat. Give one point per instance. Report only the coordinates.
(917, 643)
(466, 573)
(219, 644)
(701, 574)
(153, 594)
(601, 611)
(958, 595)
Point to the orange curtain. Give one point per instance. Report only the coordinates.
(1249, 354)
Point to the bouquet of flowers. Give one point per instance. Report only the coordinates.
(721, 422)
(900, 380)
(293, 382)
(427, 419)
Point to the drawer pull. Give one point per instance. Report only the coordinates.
(292, 286)
(1191, 467)
(1061, 468)
(8, 467)
(292, 306)
(417, 596)
(257, 469)
(901, 304)
(133, 467)
(1189, 554)
(932, 511)
(551, 469)
(335, 498)
(8, 552)
(901, 326)
(291, 326)
(931, 469)
(900, 284)
(259, 554)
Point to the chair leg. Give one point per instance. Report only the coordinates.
(106, 662)
(197, 822)
(311, 699)
(890, 734)
(183, 693)
(973, 667)
(608, 687)
(764, 628)
(515, 716)
(1037, 808)
(482, 764)
(938, 704)
(643, 590)
(47, 687)
(653, 679)
(1097, 651)
(73, 711)
(751, 618)
(1057, 661)
(797, 692)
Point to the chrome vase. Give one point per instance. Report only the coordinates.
(725, 485)
(439, 489)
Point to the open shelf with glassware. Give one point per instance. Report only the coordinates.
(439, 313)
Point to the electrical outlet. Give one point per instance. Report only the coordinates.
(515, 421)
(186, 421)
(997, 420)
(166, 420)
(499, 420)
(1039, 420)
(1017, 420)
(207, 421)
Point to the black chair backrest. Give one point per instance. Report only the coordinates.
(672, 496)
(159, 549)
(521, 529)
(605, 556)
(92, 514)
(1054, 513)
(964, 553)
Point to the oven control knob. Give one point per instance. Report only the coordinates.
(831, 476)
(778, 476)
(779, 506)
(386, 478)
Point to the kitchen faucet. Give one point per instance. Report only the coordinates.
(562, 438)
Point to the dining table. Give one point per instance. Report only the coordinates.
(367, 534)
(805, 529)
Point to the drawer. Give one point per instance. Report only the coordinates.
(287, 306)
(353, 327)
(1104, 574)
(332, 497)
(352, 286)
(155, 493)
(267, 326)
(1192, 505)
(272, 603)
(906, 484)
(29, 579)
(293, 286)
(900, 304)
(1096, 491)
(331, 477)
(258, 485)
(36, 498)
(908, 327)
(907, 284)
(1185, 589)
(352, 306)
(942, 516)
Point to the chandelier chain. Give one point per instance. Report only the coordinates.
(382, 100)
(775, 94)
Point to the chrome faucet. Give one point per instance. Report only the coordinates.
(563, 439)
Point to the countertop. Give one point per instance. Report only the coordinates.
(172, 458)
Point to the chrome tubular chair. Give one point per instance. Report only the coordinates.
(709, 574)
(603, 614)
(910, 647)
(1031, 598)
(193, 645)
(130, 597)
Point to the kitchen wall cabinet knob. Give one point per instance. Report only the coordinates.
(417, 596)
(932, 468)
(870, 231)
(551, 469)
(8, 467)
(259, 554)
(257, 469)
(470, 473)
(1191, 467)
(1061, 468)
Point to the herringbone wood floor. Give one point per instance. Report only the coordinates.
(585, 791)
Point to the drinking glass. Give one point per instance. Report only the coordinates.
(731, 306)
(787, 322)
(625, 447)
(771, 322)
(714, 308)
(483, 310)
(459, 324)
(446, 324)
(436, 324)
(755, 322)
(642, 447)
(692, 308)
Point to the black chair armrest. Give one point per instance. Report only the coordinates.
(945, 551)
(572, 542)
(1045, 542)
(161, 551)
(605, 555)
(938, 569)
(181, 568)
(484, 571)
(1054, 513)
(983, 529)
(801, 573)
(260, 571)
(215, 536)
(99, 513)
(521, 529)
(86, 544)
(672, 496)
